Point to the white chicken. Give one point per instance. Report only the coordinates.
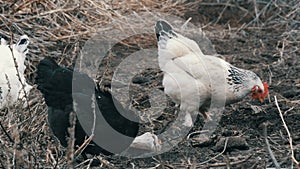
(197, 81)
(10, 83)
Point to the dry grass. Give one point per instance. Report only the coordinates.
(59, 29)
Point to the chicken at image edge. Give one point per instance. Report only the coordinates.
(195, 80)
(11, 85)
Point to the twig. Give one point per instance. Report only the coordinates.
(90, 138)
(233, 163)
(6, 133)
(71, 141)
(289, 134)
(50, 158)
(227, 161)
(288, 110)
(94, 103)
(104, 162)
(90, 162)
(194, 133)
(277, 166)
(221, 14)
(225, 146)
(84, 145)
(84, 163)
(183, 27)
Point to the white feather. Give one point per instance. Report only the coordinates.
(192, 78)
(10, 84)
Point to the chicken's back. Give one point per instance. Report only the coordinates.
(61, 86)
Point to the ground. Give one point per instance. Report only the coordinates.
(268, 45)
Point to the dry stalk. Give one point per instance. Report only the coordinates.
(289, 134)
(232, 163)
(6, 133)
(277, 166)
(224, 149)
(50, 158)
(83, 145)
(71, 141)
(90, 138)
(18, 154)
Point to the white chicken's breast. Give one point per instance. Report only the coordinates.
(10, 85)
(195, 80)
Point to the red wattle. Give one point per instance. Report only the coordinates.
(266, 90)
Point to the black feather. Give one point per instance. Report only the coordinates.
(163, 28)
(236, 76)
(1, 93)
(55, 82)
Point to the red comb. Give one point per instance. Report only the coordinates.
(266, 89)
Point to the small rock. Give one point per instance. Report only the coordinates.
(202, 140)
(234, 142)
(147, 141)
(228, 133)
(143, 145)
(256, 109)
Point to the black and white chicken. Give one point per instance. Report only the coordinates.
(11, 85)
(195, 80)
